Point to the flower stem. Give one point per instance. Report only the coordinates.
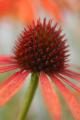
(29, 95)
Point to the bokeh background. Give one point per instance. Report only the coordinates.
(17, 14)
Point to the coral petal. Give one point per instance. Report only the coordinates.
(8, 81)
(50, 97)
(8, 68)
(7, 60)
(69, 97)
(75, 66)
(72, 74)
(10, 88)
(69, 83)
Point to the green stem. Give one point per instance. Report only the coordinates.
(29, 95)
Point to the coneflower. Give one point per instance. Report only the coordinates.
(41, 50)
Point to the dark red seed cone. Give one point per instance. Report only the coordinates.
(41, 47)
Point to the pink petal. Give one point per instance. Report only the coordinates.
(8, 68)
(9, 80)
(69, 97)
(7, 60)
(72, 74)
(75, 66)
(12, 86)
(50, 97)
(69, 83)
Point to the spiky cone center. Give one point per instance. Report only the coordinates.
(41, 47)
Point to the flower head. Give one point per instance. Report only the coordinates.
(43, 49)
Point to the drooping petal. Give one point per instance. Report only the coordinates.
(8, 81)
(50, 97)
(74, 66)
(12, 86)
(6, 60)
(72, 74)
(70, 83)
(8, 68)
(69, 97)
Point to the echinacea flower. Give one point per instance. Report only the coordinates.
(42, 49)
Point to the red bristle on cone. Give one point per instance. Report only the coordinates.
(41, 47)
